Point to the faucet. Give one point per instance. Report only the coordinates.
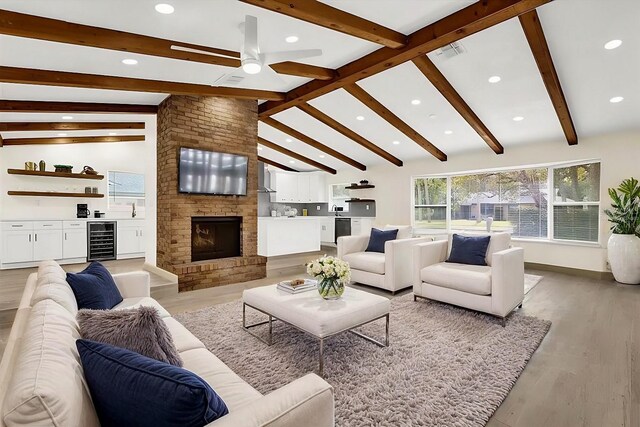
(133, 210)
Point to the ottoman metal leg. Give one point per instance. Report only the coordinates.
(248, 327)
(368, 338)
(321, 370)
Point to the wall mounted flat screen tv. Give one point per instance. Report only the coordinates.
(209, 172)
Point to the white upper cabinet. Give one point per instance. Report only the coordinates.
(302, 187)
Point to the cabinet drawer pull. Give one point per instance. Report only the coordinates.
(29, 236)
(17, 225)
(65, 236)
(47, 225)
(36, 237)
(136, 233)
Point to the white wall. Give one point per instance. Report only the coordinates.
(138, 157)
(619, 154)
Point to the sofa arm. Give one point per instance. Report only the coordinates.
(507, 280)
(352, 244)
(398, 268)
(307, 401)
(133, 284)
(426, 254)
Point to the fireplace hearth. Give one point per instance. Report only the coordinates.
(215, 237)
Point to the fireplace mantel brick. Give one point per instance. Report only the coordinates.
(214, 124)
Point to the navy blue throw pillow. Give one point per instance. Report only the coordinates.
(94, 288)
(469, 249)
(129, 389)
(378, 238)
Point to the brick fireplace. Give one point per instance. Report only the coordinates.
(207, 240)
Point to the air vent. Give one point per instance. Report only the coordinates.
(234, 80)
(451, 50)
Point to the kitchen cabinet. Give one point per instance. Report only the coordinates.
(327, 231)
(47, 244)
(302, 187)
(131, 239)
(74, 242)
(285, 236)
(17, 242)
(360, 226)
(29, 241)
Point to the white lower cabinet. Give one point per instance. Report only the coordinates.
(328, 230)
(131, 239)
(47, 244)
(360, 226)
(17, 246)
(30, 241)
(74, 242)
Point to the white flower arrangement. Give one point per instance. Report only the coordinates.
(329, 267)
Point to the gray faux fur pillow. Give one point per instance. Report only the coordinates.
(137, 329)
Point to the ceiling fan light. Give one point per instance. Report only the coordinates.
(251, 67)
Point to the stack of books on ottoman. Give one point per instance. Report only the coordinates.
(297, 286)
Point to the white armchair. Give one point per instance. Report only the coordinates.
(391, 270)
(497, 288)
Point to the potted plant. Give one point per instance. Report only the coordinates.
(332, 274)
(624, 243)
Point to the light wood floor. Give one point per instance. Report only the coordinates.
(586, 371)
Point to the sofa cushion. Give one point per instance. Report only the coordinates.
(404, 231)
(470, 250)
(372, 262)
(46, 267)
(499, 242)
(94, 287)
(142, 301)
(51, 285)
(230, 387)
(473, 279)
(137, 329)
(182, 338)
(378, 238)
(47, 386)
(130, 389)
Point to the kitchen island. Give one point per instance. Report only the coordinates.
(284, 236)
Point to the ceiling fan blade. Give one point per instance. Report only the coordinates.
(291, 55)
(272, 74)
(250, 45)
(233, 78)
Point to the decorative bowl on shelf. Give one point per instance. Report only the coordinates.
(89, 171)
(63, 168)
(354, 184)
(364, 182)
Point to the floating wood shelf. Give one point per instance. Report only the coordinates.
(54, 194)
(360, 187)
(359, 201)
(54, 174)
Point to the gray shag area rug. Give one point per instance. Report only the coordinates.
(445, 366)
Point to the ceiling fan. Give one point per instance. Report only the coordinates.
(253, 61)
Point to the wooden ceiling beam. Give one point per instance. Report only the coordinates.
(312, 142)
(276, 164)
(439, 81)
(295, 155)
(395, 121)
(74, 107)
(339, 127)
(477, 17)
(72, 140)
(94, 81)
(44, 126)
(40, 28)
(335, 19)
(530, 23)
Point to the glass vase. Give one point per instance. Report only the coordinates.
(330, 288)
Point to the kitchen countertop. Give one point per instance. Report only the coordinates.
(71, 219)
(314, 217)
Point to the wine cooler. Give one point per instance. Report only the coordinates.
(101, 240)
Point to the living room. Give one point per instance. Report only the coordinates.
(284, 213)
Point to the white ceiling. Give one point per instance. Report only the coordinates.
(576, 31)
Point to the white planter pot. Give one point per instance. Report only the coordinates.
(624, 258)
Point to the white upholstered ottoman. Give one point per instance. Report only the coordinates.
(310, 313)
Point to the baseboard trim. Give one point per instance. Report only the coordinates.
(160, 272)
(601, 275)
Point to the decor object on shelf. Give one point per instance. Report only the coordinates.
(87, 190)
(42, 166)
(489, 221)
(30, 166)
(624, 243)
(89, 170)
(332, 274)
(63, 168)
(364, 182)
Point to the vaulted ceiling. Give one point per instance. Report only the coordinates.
(435, 107)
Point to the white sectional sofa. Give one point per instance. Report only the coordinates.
(42, 384)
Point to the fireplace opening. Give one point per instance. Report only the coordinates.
(215, 237)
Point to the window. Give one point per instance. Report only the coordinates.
(338, 195)
(430, 203)
(517, 201)
(576, 202)
(125, 188)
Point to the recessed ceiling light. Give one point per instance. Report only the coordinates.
(432, 116)
(448, 132)
(322, 156)
(291, 39)
(360, 118)
(494, 79)
(616, 99)
(129, 61)
(289, 140)
(164, 8)
(292, 161)
(518, 118)
(396, 142)
(612, 44)
(62, 134)
(67, 117)
(416, 102)
(112, 133)
(259, 148)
